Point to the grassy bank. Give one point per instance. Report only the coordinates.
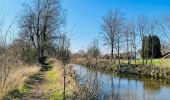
(154, 62)
(55, 84)
(159, 68)
(43, 84)
(16, 84)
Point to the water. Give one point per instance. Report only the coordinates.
(123, 87)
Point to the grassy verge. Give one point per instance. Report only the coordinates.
(160, 67)
(155, 62)
(55, 83)
(18, 82)
(46, 84)
(19, 93)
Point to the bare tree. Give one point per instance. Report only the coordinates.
(94, 50)
(164, 24)
(142, 29)
(118, 39)
(152, 31)
(7, 60)
(41, 22)
(127, 36)
(133, 39)
(64, 56)
(111, 30)
(164, 46)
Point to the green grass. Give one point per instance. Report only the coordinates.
(52, 86)
(53, 78)
(56, 83)
(56, 96)
(155, 62)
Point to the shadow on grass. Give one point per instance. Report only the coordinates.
(46, 66)
(20, 93)
(29, 84)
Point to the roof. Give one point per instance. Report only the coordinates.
(165, 55)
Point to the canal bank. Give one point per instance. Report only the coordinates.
(107, 86)
(141, 70)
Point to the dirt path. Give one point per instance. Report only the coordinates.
(49, 85)
(37, 91)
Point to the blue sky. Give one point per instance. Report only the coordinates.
(85, 16)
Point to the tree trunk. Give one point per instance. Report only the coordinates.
(112, 53)
(127, 54)
(64, 91)
(135, 55)
(143, 54)
(96, 61)
(118, 53)
(41, 56)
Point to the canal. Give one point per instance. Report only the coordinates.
(107, 86)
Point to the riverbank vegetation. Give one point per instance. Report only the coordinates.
(17, 77)
(27, 71)
(36, 63)
(43, 84)
(158, 69)
(132, 42)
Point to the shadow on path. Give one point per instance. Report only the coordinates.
(30, 91)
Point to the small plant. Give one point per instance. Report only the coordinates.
(14, 94)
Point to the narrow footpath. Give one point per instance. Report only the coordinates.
(49, 85)
(46, 85)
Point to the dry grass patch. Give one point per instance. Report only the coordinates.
(51, 88)
(17, 77)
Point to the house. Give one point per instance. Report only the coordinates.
(130, 55)
(166, 56)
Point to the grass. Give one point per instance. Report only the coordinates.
(155, 62)
(24, 78)
(19, 93)
(51, 87)
(15, 94)
(55, 83)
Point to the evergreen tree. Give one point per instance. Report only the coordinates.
(151, 47)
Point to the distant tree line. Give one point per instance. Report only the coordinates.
(122, 35)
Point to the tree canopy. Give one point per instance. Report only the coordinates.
(151, 46)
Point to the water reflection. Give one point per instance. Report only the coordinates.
(122, 87)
